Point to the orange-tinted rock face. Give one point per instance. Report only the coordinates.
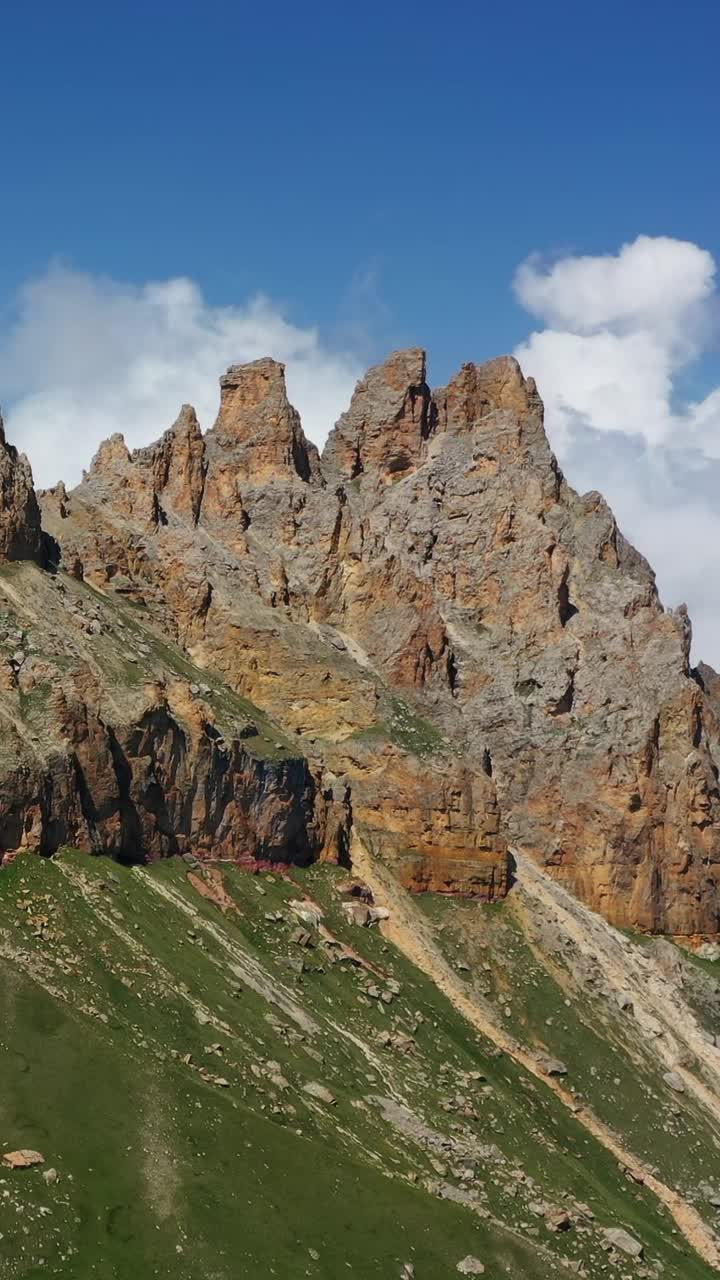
(385, 429)
(257, 436)
(437, 549)
(437, 826)
(178, 463)
(536, 634)
(478, 390)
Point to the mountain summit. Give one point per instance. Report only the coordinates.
(435, 558)
(374, 749)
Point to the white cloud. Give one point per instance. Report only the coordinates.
(86, 357)
(603, 380)
(655, 284)
(620, 329)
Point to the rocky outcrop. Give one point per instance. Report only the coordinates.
(21, 536)
(436, 550)
(438, 827)
(167, 782)
(113, 742)
(257, 429)
(535, 632)
(385, 429)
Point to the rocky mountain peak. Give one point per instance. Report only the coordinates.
(460, 684)
(179, 467)
(387, 425)
(112, 454)
(557, 713)
(393, 414)
(259, 425)
(186, 424)
(245, 387)
(480, 389)
(21, 535)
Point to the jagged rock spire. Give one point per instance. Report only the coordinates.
(150, 483)
(179, 466)
(257, 420)
(21, 536)
(388, 422)
(480, 389)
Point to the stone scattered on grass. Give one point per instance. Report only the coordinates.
(558, 1220)
(470, 1266)
(355, 889)
(356, 913)
(378, 913)
(551, 1066)
(619, 1238)
(301, 938)
(22, 1159)
(306, 912)
(319, 1092)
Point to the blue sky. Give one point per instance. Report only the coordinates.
(188, 185)
(378, 167)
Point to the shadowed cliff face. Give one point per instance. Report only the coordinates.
(147, 790)
(21, 536)
(112, 742)
(436, 551)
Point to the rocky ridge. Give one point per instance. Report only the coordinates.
(463, 655)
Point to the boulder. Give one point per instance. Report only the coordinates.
(319, 1092)
(620, 1239)
(551, 1066)
(307, 912)
(22, 1159)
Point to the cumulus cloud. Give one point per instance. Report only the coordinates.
(84, 357)
(620, 332)
(655, 284)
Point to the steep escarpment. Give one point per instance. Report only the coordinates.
(219, 541)
(153, 788)
(535, 632)
(437, 554)
(113, 742)
(21, 536)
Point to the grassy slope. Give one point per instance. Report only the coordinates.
(113, 976)
(545, 1006)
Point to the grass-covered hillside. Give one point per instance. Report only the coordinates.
(223, 1084)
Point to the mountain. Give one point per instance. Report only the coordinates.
(435, 554)
(279, 690)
